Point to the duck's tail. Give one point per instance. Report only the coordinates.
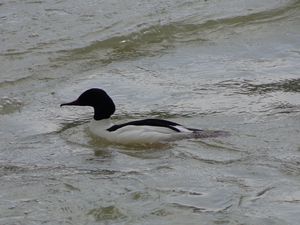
(197, 133)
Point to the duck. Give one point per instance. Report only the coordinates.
(145, 131)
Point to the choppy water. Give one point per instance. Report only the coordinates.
(226, 65)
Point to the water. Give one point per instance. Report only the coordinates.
(224, 65)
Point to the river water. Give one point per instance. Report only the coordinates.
(214, 64)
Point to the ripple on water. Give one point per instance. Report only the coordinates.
(10, 105)
(106, 213)
(7, 169)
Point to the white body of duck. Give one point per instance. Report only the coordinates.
(132, 134)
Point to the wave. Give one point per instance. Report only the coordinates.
(159, 37)
(249, 88)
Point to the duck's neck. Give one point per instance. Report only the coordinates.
(101, 114)
(99, 126)
(103, 122)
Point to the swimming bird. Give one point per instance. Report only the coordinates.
(146, 131)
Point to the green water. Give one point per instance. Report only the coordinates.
(219, 65)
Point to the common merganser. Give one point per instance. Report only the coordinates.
(135, 132)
